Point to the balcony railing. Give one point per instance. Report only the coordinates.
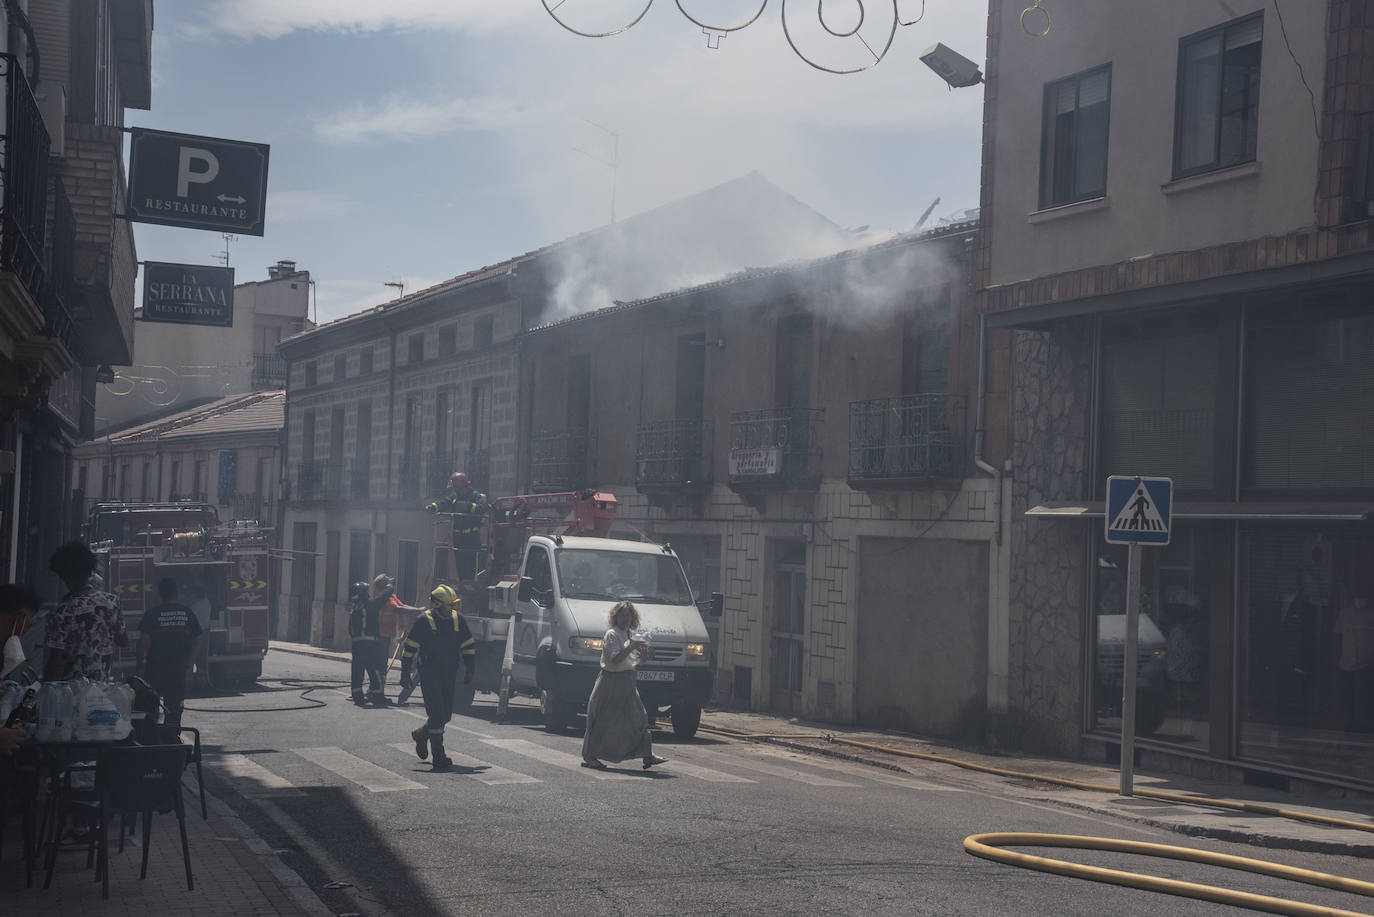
(409, 483)
(905, 439)
(269, 370)
(438, 469)
(477, 464)
(24, 174)
(247, 506)
(317, 482)
(673, 455)
(358, 475)
(559, 460)
(778, 449)
(57, 291)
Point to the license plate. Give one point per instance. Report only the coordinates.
(648, 675)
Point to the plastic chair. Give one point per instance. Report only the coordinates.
(136, 780)
(19, 778)
(167, 735)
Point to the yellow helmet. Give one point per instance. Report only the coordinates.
(443, 594)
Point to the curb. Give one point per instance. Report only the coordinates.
(315, 654)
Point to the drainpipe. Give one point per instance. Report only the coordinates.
(979, 431)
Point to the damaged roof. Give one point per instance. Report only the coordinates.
(254, 412)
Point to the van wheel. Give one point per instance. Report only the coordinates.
(686, 719)
(557, 714)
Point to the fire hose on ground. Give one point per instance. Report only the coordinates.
(989, 846)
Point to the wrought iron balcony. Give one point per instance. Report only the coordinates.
(358, 474)
(247, 507)
(318, 482)
(559, 460)
(24, 174)
(438, 469)
(58, 289)
(778, 449)
(269, 370)
(410, 482)
(894, 441)
(673, 455)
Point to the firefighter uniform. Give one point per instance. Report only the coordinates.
(469, 509)
(369, 647)
(440, 637)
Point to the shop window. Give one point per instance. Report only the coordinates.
(1310, 398)
(1306, 678)
(1168, 400)
(1183, 587)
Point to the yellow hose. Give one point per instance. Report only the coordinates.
(988, 847)
(1254, 808)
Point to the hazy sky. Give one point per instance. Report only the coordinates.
(413, 140)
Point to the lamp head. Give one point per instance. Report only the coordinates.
(951, 66)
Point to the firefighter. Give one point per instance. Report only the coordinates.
(469, 508)
(366, 643)
(440, 637)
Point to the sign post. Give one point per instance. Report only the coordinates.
(1139, 511)
(197, 182)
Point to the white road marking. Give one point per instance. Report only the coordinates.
(367, 775)
(471, 732)
(867, 773)
(490, 774)
(775, 770)
(677, 765)
(551, 756)
(243, 768)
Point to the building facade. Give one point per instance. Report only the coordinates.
(176, 367)
(1185, 271)
(805, 439)
(67, 265)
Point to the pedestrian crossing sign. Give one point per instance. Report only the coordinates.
(1139, 509)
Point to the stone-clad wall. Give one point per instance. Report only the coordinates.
(1051, 410)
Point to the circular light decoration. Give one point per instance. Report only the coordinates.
(845, 27)
(551, 7)
(723, 28)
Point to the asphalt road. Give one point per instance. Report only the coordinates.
(724, 828)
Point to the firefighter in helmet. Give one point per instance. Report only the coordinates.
(469, 508)
(440, 637)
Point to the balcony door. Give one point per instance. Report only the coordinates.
(788, 637)
(794, 395)
(691, 407)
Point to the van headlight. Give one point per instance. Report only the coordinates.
(586, 646)
(696, 650)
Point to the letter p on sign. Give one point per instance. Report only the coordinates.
(186, 175)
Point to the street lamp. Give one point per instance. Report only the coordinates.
(951, 66)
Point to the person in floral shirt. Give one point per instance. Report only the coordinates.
(85, 629)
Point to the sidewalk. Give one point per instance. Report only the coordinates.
(1200, 820)
(236, 874)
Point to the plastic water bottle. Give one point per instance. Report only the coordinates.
(55, 712)
(14, 693)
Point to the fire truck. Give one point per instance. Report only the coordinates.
(539, 610)
(221, 570)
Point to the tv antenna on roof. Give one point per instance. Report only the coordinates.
(613, 164)
(399, 285)
(223, 257)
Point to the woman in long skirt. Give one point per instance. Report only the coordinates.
(617, 726)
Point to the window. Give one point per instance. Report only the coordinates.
(1073, 163)
(365, 361)
(1309, 384)
(340, 367)
(331, 567)
(174, 482)
(415, 348)
(443, 425)
(124, 482)
(202, 479)
(310, 374)
(145, 491)
(482, 333)
(540, 572)
(1218, 97)
(448, 340)
(359, 559)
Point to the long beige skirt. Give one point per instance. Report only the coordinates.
(617, 726)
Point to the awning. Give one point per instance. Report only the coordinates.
(1284, 511)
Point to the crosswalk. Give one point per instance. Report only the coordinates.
(515, 762)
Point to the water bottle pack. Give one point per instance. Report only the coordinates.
(80, 711)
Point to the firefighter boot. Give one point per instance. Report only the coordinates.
(421, 742)
(442, 762)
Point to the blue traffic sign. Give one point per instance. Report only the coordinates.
(1139, 509)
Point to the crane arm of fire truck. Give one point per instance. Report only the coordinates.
(592, 512)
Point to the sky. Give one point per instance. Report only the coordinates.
(415, 140)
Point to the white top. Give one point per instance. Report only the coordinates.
(611, 645)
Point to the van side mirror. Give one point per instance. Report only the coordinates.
(717, 604)
(526, 591)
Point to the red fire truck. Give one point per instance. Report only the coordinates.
(221, 571)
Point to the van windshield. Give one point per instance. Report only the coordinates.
(654, 579)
